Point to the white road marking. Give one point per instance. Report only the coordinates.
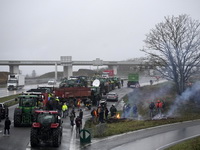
(29, 146)
(175, 142)
(72, 141)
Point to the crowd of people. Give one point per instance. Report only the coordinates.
(130, 111)
(156, 108)
(100, 114)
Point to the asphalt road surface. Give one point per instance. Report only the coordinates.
(19, 138)
(146, 139)
(4, 92)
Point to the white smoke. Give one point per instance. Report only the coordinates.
(137, 95)
(183, 98)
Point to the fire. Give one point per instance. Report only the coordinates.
(118, 116)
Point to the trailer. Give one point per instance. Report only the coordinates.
(70, 93)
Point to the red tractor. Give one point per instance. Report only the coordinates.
(47, 128)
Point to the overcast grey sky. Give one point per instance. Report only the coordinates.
(83, 29)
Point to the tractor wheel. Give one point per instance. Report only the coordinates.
(33, 138)
(56, 137)
(17, 120)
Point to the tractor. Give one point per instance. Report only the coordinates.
(47, 129)
(24, 114)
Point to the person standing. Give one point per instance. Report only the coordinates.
(94, 115)
(72, 118)
(113, 110)
(73, 111)
(106, 113)
(151, 82)
(78, 122)
(78, 103)
(81, 114)
(7, 124)
(135, 111)
(65, 110)
(159, 107)
(101, 115)
(151, 108)
(122, 82)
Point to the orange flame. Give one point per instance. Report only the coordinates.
(118, 116)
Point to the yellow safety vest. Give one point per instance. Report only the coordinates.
(64, 107)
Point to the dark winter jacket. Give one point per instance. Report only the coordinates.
(7, 123)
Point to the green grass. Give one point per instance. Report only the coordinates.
(133, 125)
(192, 144)
(7, 98)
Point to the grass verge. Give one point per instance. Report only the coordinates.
(7, 98)
(192, 144)
(133, 125)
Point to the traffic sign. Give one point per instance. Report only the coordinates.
(85, 136)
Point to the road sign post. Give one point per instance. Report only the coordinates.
(85, 136)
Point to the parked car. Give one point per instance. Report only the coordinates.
(52, 82)
(3, 111)
(112, 96)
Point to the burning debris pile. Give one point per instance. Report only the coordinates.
(116, 119)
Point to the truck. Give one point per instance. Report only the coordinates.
(15, 81)
(107, 73)
(133, 80)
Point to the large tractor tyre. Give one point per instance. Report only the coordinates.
(33, 139)
(17, 120)
(56, 141)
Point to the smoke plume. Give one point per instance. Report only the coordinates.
(184, 98)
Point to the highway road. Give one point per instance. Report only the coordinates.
(20, 136)
(4, 92)
(146, 139)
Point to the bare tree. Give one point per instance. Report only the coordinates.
(33, 73)
(174, 47)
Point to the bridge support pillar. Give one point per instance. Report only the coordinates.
(114, 68)
(56, 71)
(14, 69)
(66, 62)
(67, 71)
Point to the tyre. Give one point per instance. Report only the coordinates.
(17, 120)
(56, 141)
(33, 139)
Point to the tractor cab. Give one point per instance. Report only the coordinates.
(24, 114)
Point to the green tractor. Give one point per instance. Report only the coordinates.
(24, 114)
(117, 82)
(96, 94)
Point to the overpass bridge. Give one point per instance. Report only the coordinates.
(67, 63)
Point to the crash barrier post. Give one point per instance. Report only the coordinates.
(85, 136)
